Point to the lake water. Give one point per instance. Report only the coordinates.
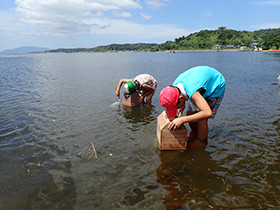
(52, 106)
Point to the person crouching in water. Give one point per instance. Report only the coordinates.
(144, 84)
(203, 87)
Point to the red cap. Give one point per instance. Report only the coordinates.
(168, 99)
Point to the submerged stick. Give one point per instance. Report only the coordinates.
(94, 150)
(115, 86)
(83, 150)
(114, 83)
(91, 153)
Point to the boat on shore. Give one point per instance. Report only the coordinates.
(273, 51)
(261, 50)
(257, 49)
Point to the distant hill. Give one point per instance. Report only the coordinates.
(109, 48)
(267, 39)
(24, 50)
(225, 38)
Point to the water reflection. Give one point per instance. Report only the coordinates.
(278, 90)
(136, 117)
(277, 124)
(139, 114)
(53, 196)
(36, 184)
(184, 180)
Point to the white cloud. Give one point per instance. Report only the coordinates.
(11, 24)
(69, 6)
(85, 17)
(121, 14)
(68, 17)
(126, 28)
(146, 17)
(81, 19)
(156, 3)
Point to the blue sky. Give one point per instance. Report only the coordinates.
(90, 23)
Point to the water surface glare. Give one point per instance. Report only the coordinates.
(53, 106)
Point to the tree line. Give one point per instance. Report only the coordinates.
(109, 48)
(267, 39)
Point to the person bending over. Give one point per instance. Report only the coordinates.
(203, 87)
(144, 84)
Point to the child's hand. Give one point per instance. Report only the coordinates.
(117, 93)
(175, 124)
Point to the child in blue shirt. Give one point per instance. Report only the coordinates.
(203, 87)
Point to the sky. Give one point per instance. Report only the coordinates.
(90, 23)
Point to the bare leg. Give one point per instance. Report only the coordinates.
(198, 136)
(193, 126)
(202, 129)
(149, 96)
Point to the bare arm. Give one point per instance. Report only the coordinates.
(120, 85)
(147, 90)
(204, 113)
(147, 87)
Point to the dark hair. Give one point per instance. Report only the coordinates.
(178, 102)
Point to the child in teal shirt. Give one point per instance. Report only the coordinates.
(203, 87)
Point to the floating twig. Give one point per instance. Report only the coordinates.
(91, 153)
(95, 154)
(83, 150)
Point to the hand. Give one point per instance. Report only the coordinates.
(117, 93)
(175, 124)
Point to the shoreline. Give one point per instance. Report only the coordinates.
(166, 51)
(191, 51)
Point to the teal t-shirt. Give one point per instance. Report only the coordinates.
(204, 77)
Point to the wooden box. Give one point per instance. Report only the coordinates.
(132, 100)
(170, 140)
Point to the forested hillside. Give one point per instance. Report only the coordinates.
(267, 39)
(207, 39)
(109, 48)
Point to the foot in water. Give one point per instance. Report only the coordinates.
(195, 143)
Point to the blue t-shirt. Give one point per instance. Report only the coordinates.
(204, 77)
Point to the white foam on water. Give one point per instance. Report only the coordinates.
(117, 103)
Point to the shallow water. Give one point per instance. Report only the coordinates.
(52, 106)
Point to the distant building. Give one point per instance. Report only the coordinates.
(222, 28)
(243, 48)
(254, 43)
(217, 47)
